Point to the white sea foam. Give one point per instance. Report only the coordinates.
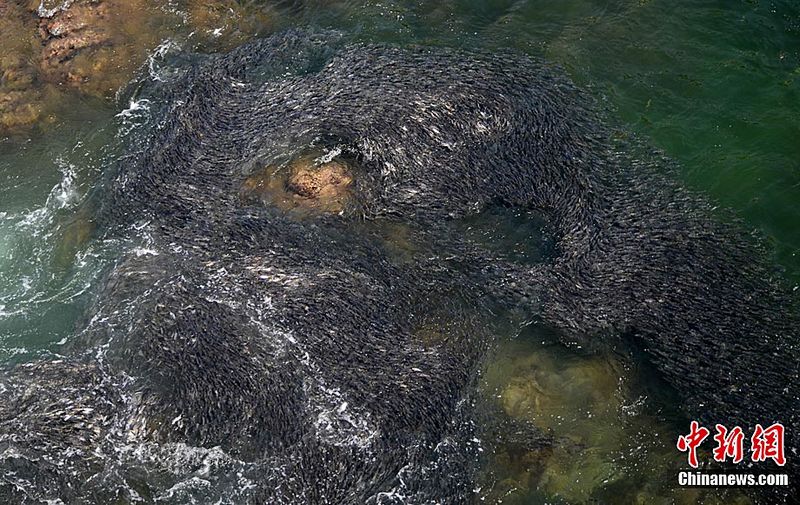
(154, 61)
(337, 422)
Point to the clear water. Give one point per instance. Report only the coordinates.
(714, 84)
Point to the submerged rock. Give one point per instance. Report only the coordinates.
(21, 97)
(551, 394)
(18, 110)
(305, 184)
(577, 401)
(603, 447)
(95, 46)
(89, 47)
(75, 233)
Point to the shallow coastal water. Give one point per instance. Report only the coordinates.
(715, 85)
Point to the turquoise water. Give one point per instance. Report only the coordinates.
(714, 85)
(46, 275)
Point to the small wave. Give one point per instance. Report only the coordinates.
(337, 422)
(157, 72)
(136, 115)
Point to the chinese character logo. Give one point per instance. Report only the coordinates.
(691, 441)
(765, 443)
(768, 443)
(728, 444)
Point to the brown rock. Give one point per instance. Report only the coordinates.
(95, 46)
(17, 111)
(327, 181)
(305, 184)
(20, 100)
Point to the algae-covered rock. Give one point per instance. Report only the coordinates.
(306, 184)
(95, 46)
(51, 50)
(562, 396)
(17, 110)
(576, 473)
(21, 101)
(578, 400)
(521, 471)
(75, 233)
(606, 448)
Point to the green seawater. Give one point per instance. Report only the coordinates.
(715, 85)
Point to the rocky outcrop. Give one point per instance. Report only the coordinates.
(94, 47)
(21, 96)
